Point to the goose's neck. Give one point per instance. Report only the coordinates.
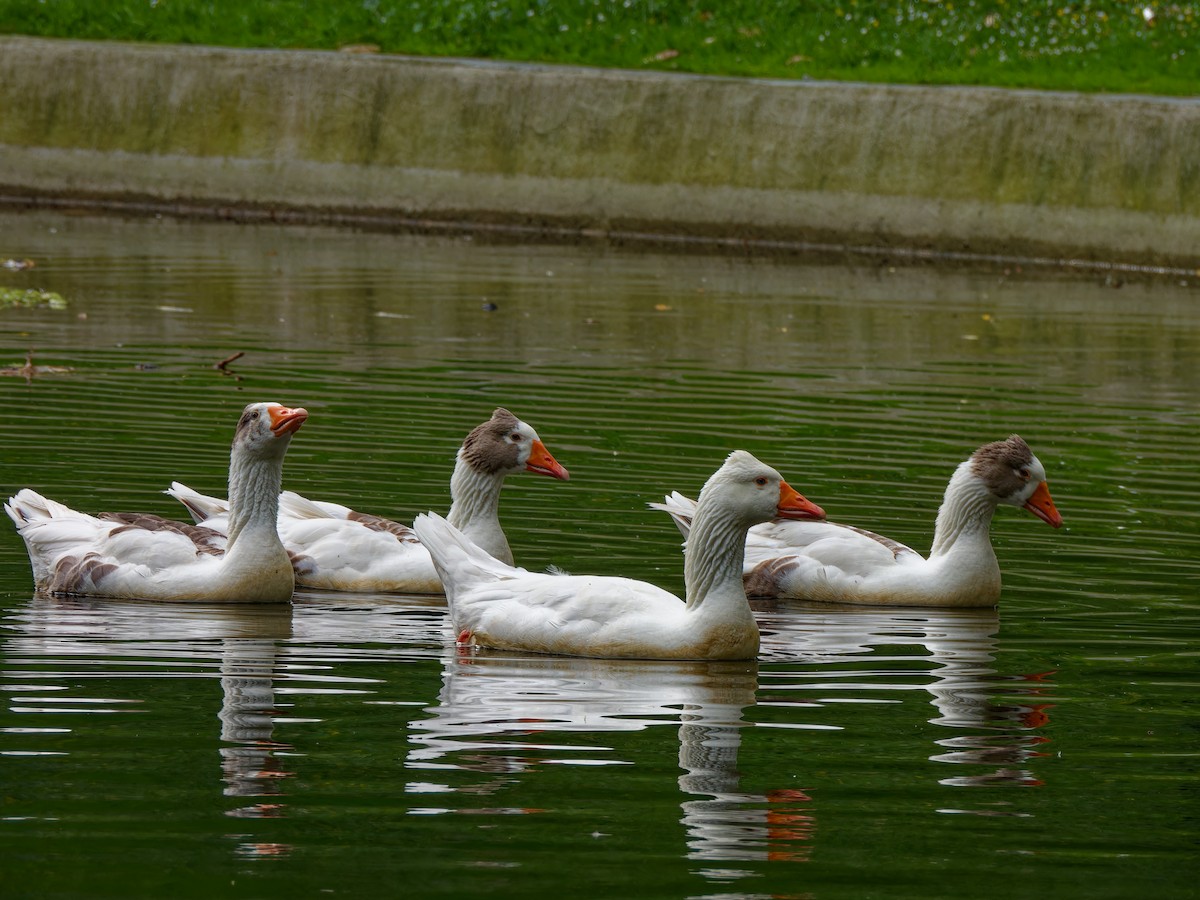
(253, 495)
(712, 569)
(965, 513)
(474, 505)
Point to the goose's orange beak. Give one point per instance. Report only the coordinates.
(1043, 507)
(285, 420)
(793, 505)
(543, 463)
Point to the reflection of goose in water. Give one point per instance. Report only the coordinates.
(732, 824)
(496, 714)
(999, 714)
(136, 629)
(241, 642)
(380, 626)
(249, 765)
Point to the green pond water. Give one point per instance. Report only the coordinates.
(341, 746)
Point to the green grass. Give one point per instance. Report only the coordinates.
(1094, 45)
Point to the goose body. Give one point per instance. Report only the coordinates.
(334, 547)
(146, 557)
(830, 562)
(493, 604)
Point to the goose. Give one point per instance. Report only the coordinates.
(145, 557)
(493, 604)
(826, 561)
(336, 548)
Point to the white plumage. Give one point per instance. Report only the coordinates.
(146, 557)
(827, 561)
(337, 548)
(496, 605)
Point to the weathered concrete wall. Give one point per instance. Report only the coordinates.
(1112, 178)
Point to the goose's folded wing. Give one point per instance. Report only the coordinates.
(564, 613)
(828, 543)
(294, 506)
(820, 560)
(343, 555)
(205, 540)
(70, 539)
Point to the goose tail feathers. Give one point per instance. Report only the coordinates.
(201, 506)
(679, 508)
(458, 560)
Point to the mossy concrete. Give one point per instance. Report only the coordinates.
(329, 135)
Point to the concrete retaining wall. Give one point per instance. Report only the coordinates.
(328, 135)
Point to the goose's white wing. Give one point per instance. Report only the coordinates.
(73, 552)
(496, 605)
(334, 547)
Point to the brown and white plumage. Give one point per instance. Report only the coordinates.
(827, 561)
(137, 556)
(496, 605)
(337, 548)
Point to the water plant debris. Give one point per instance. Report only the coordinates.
(29, 370)
(29, 297)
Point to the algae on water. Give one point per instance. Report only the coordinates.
(31, 297)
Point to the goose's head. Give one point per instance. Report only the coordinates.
(504, 445)
(1014, 476)
(755, 492)
(266, 429)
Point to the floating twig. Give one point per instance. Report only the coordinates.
(29, 370)
(220, 366)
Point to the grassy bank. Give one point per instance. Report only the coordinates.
(1094, 45)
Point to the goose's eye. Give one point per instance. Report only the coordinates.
(1024, 473)
(516, 436)
(254, 415)
(761, 481)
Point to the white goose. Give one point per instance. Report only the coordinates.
(496, 605)
(336, 548)
(146, 557)
(825, 561)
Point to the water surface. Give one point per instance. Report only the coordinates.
(343, 745)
